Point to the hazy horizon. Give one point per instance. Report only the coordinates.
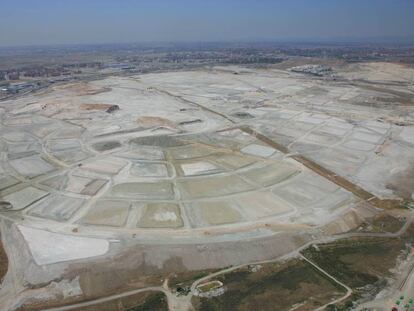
(47, 22)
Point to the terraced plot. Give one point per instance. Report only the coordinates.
(177, 183)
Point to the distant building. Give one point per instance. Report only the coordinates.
(13, 75)
(18, 87)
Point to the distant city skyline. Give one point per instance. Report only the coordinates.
(48, 22)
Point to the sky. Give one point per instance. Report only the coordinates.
(38, 22)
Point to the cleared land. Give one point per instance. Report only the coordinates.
(199, 170)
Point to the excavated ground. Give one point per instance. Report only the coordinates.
(195, 170)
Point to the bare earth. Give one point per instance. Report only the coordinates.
(196, 170)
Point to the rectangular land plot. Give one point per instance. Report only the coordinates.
(194, 168)
(149, 153)
(108, 166)
(93, 187)
(271, 174)
(59, 145)
(84, 185)
(358, 145)
(232, 160)
(31, 166)
(161, 215)
(301, 193)
(25, 197)
(190, 151)
(7, 181)
(107, 213)
(212, 186)
(258, 150)
(261, 204)
(145, 169)
(56, 207)
(207, 213)
(71, 156)
(144, 190)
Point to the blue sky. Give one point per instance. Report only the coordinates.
(28, 22)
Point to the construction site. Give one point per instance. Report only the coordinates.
(109, 187)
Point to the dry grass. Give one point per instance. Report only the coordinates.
(277, 286)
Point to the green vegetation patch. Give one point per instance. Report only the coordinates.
(358, 261)
(383, 223)
(273, 287)
(145, 301)
(361, 263)
(209, 286)
(154, 302)
(185, 279)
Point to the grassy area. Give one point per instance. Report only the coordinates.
(187, 278)
(209, 286)
(357, 262)
(273, 287)
(386, 223)
(383, 223)
(344, 305)
(155, 302)
(361, 263)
